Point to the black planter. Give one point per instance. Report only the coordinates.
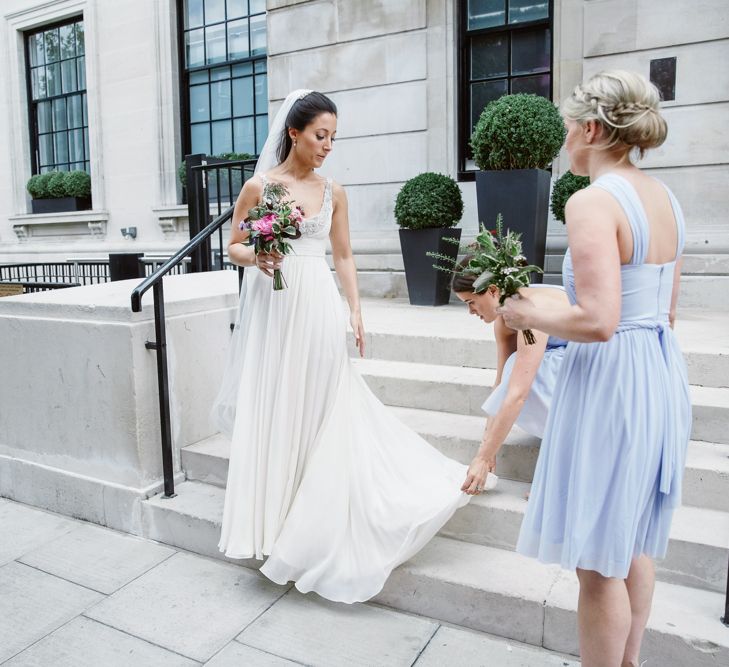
(522, 198)
(61, 204)
(427, 286)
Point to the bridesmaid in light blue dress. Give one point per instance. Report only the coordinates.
(609, 471)
(525, 375)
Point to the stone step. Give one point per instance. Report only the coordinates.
(397, 331)
(699, 538)
(480, 587)
(463, 390)
(705, 484)
(697, 291)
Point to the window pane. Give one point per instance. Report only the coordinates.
(81, 72)
(261, 132)
(258, 35)
(52, 51)
(260, 66)
(215, 43)
(237, 8)
(86, 144)
(530, 51)
(220, 100)
(200, 135)
(262, 94)
(60, 121)
(36, 47)
(219, 73)
(76, 145)
(482, 94)
(486, 13)
(243, 97)
(199, 103)
(539, 85)
(45, 119)
(38, 82)
(257, 6)
(80, 38)
(75, 115)
(222, 139)
(243, 69)
(201, 76)
(490, 56)
(67, 37)
(195, 48)
(528, 10)
(244, 137)
(45, 149)
(238, 39)
(214, 11)
(61, 144)
(53, 79)
(68, 74)
(193, 13)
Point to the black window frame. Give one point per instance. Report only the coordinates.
(184, 78)
(463, 78)
(33, 124)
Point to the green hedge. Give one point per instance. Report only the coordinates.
(564, 187)
(182, 171)
(517, 132)
(429, 200)
(56, 184)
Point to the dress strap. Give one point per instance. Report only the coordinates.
(263, 178)
(680, 221)
(628, 198)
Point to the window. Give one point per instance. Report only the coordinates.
(224, 80)
(57, 93)
(505, 47)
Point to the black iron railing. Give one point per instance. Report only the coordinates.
(200, 255)
(73, 271)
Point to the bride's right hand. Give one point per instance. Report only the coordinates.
(267, 263)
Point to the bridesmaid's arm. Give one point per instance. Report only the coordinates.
(676, 288)
(505, 346)
(526, 366)
(592, 232)
(344, 262)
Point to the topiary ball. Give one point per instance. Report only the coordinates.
(78, 184)
(57, 184)
(564, 187)
(518, 132)
(427, 201)
(37, 185)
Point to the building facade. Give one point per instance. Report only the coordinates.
(125, 90)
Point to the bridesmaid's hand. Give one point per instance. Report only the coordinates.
(476, 476)
(518, 312)
(267, 263)
(355, 320)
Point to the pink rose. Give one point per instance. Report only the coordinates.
(265, 224)
(297, 215)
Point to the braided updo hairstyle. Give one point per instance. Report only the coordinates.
(625, 104)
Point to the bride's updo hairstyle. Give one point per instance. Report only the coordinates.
(625, 104)
(463, 282)
(303, 112)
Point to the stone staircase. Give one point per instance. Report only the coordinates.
(434, 367)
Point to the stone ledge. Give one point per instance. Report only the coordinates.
(72, 223)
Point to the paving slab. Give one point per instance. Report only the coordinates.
(236, 654)
(453, 647)
(189, 604)
(97, 558)
(29, 529)
(33, 604)
(328, 634)
(86, 643)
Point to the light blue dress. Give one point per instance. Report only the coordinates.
(533, 415)
(610, 466)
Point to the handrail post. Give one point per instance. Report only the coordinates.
(160, 345)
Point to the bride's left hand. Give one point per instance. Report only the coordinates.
(355, 320)
(518, 312)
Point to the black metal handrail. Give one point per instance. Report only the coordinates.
(155, 281)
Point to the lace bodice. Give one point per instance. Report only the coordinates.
(315, 229)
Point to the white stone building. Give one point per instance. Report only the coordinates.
(159, 79)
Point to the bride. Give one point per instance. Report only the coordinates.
(323, 479)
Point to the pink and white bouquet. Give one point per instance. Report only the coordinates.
(271, 222)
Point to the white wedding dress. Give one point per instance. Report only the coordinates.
(323, 479)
